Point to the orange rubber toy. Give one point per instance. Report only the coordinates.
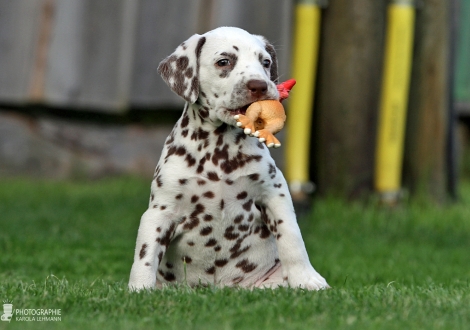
(265, 118)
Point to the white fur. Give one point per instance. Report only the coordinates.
(220, 212)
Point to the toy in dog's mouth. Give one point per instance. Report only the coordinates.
(239, 111)
(242, 110)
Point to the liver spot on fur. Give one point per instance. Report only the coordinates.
(221, 262)
(242, 195)
(206, 231)
(210, 270)
(246, 266)
(211, 242)
(209, 194)
(143, 251)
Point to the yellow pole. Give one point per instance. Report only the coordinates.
(305, 54)
(394, 98)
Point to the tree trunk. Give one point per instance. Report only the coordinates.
(349, 80)
(425, 150)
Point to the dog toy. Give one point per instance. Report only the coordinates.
(265, 118)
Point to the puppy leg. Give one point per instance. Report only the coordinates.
(154, 236)
(296, 266)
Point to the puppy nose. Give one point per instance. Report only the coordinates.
(257, 88)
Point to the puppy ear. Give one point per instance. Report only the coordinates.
(180, 70)
(272, 52)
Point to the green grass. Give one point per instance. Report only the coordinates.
(70, 246)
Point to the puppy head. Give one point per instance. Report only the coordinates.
(214, 69)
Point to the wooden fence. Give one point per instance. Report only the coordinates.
(103, 54)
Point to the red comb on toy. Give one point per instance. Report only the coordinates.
(284, 88)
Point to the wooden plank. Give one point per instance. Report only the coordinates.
(65, 55)
(36, 91)
(91, 53)
(161, 27)
(19, 20)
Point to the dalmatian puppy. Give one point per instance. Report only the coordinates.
(220, 212)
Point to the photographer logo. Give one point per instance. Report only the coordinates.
(7, 311)
(30, 314)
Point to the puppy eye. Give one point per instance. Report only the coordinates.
(223, 62)
(266, 63)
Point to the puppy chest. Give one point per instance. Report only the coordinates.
(228, 255)
(220, 235)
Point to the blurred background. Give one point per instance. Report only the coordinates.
(80, 96)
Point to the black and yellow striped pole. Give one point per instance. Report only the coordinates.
(304, 67)
(394, 99)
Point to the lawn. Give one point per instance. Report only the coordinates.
(69, 246)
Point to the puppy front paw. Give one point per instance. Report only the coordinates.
(141, 279)
(305, 277)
